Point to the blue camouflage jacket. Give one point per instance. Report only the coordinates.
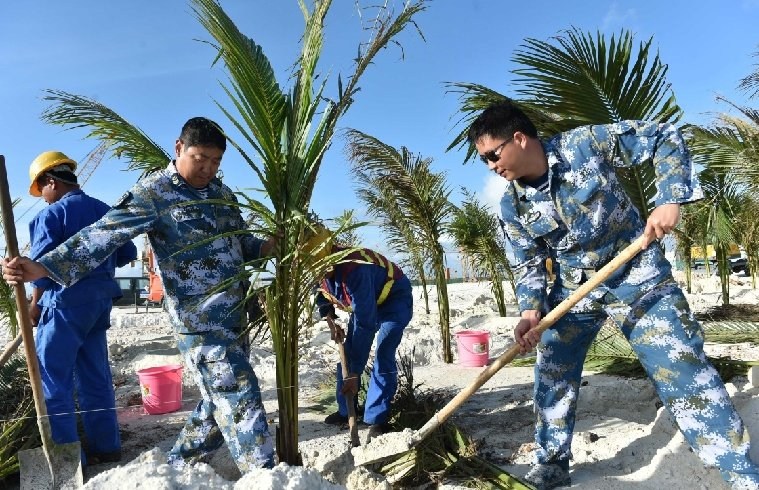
(54, 225)
(183, 229)
(586, 218)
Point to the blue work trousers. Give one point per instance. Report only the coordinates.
(392, 319)
(73, 355)
(669, 344)
(231, 409)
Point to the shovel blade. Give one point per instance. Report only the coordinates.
(63, 470)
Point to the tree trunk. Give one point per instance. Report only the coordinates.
(497, 288)
(442, 304)
(423, 279)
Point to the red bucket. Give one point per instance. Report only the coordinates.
(161, 388)
(474, 347)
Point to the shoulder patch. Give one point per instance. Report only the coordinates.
(123, 200)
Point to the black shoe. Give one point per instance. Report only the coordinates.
(336, 419)
(100, 458)
(548, 476)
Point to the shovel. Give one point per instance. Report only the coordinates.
(54, 466)
(349, 399)
(389, 445)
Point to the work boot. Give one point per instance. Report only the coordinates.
(336, 419)
(547, 476)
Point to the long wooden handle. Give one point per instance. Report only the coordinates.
(9, 228)
(625, 256)
(352, 423)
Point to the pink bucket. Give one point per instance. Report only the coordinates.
(474, 347)
(161, 388)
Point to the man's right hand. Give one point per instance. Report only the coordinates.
(22, 269)
(525, 334)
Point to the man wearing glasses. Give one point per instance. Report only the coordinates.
(565, 202)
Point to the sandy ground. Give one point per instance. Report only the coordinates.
(622, 439)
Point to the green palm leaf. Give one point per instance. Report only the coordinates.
(420, 194)
(586, 80)
(122, 139)
(476, 230)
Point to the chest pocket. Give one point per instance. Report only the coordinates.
(190, 221)
(592, 186)
(226, 218)
(537, 222)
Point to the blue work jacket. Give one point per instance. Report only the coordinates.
(365, 284)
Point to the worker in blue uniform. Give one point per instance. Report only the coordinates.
(72, 322)
(377, 295)
(564, 201)
(183, 205)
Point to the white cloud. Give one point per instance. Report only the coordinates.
(617, 17)
(493, 191)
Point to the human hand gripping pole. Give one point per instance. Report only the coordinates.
(56, 465)
(374, 454)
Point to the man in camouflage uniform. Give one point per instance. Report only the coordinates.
(565, 202)
(206, 325)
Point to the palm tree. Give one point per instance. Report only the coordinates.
(400, 235)
(285, 136)
(476, 230)
(349, 236)
(691, 232)
(420, 195)
(581, 79)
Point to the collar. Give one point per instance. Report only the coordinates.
(75, 192)
(527, 192)
(171, 169)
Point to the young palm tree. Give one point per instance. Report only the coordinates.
(349, 236)
(399, 232)
(691, 232)
(420, 194)
(286, 134)
(476, 232)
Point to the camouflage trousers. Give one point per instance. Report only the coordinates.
(231, 409)
(669, 344)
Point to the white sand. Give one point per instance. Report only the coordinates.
(622, 441)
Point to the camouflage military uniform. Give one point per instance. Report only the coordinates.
(206, 324)
(582, 221)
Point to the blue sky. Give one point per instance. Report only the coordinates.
(143, 59)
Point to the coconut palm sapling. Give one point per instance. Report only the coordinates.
(421, 195)
(286, 134)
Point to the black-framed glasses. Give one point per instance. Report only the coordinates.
(493, 155)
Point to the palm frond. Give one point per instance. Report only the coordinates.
(123, 139)
(586, 80)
